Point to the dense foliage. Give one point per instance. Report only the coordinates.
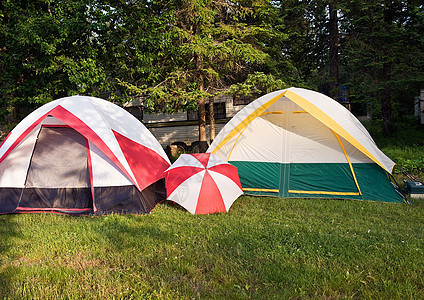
(177, 53)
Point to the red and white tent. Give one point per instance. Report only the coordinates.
(202, 183)
(81, 155)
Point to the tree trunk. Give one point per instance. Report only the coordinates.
(211, 120)
(203, 144)
(334, 50)
(386, 102)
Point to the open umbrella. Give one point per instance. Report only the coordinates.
(202, 183)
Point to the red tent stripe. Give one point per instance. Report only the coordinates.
(22, 136)
(176, 176)
(67, 117)
(52, 209)
(210, 198)
(227, 170)
(8, 135)
(142, 160)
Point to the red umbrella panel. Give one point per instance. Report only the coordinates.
(202, 183)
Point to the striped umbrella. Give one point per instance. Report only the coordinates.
(202, 183)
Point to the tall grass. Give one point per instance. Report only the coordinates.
(264, 248)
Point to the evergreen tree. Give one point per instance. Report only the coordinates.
(384, 50)
(214, 44)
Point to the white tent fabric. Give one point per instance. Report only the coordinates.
(311, 106)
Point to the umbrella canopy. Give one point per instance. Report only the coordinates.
(202, 183)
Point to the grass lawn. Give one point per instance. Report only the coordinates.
(264, 248)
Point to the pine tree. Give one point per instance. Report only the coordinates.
(385, 54)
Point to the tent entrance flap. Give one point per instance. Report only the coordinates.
(58, 177)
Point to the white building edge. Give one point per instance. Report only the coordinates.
(182, 127)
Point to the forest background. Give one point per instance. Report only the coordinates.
(178, 54)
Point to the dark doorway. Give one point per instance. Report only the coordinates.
(58, 176)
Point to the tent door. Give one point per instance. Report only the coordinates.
(58, 176)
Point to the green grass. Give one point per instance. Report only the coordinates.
(264, 248)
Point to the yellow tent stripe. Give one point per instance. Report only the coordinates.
(243, 124)
(235, 143)
(348, 160)
(333, 125)
(324, 193)
(303, 192)
(272, 112)
(260, 190)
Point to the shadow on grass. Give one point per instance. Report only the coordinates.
(129, 231)
(8, 232)
(173, 205)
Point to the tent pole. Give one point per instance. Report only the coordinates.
(350, 163)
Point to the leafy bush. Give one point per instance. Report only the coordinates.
(410, 158)
(405, 146)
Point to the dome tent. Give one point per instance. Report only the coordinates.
(300, 143)
(81, 155)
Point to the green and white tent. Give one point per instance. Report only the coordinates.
(300, 143)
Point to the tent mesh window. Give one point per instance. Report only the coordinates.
(58, 175)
